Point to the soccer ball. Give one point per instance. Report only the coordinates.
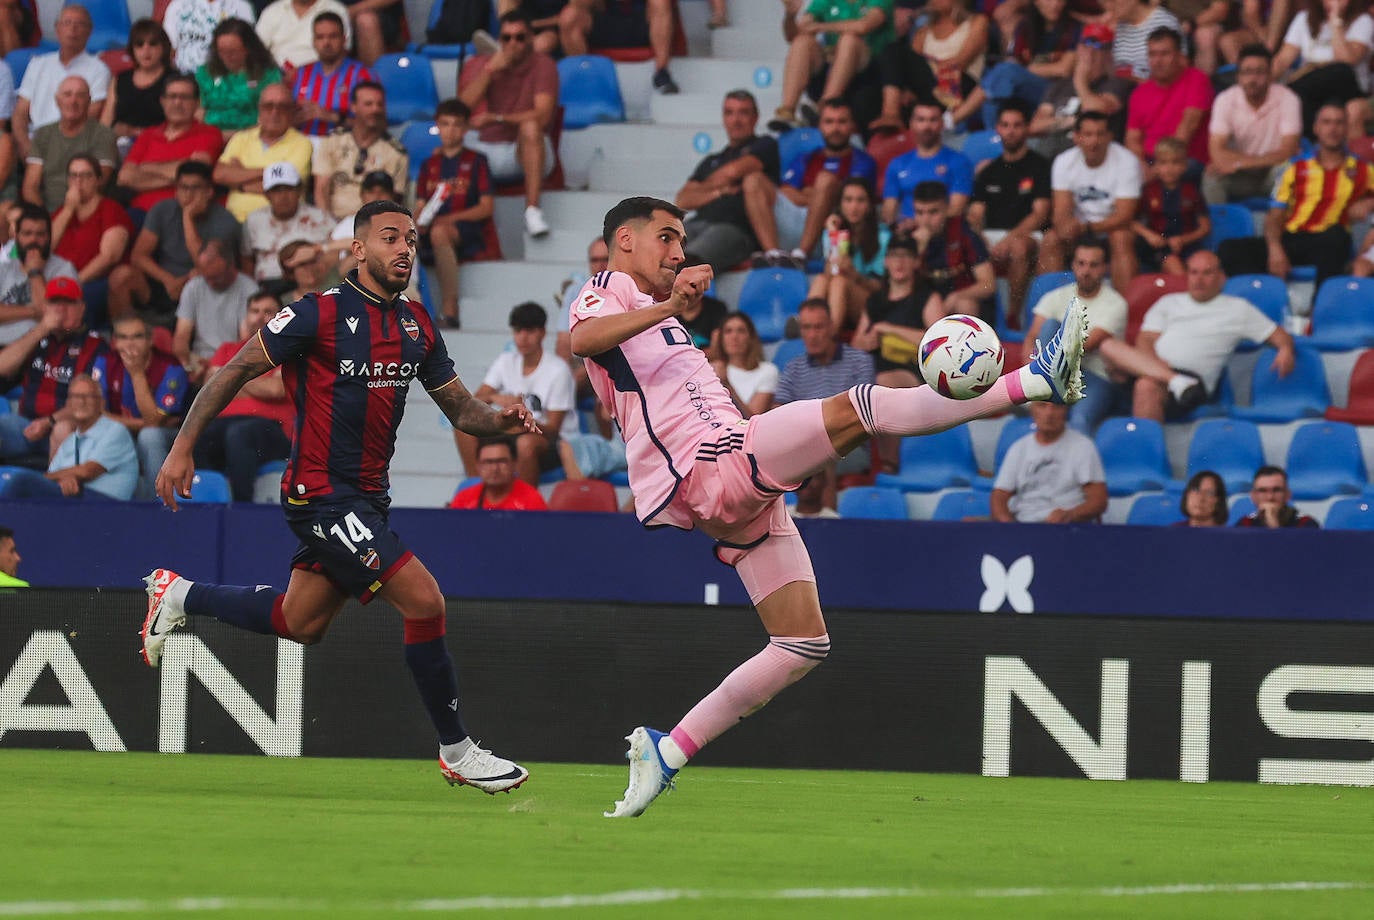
(961, 357)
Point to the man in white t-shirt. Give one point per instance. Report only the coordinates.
(1110, 363)
(1053, 475)
(37, 103)
(1197, 331)
(1096, 187)
(286, 27)
(542, 381)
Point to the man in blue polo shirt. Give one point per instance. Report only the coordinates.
(97, 460)
(931, 161)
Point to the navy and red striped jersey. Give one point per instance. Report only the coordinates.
(166, 378)
(347, 359)
(328, 91)
(801, 173)
(53, 365)
(947, 264)
(1171, 212)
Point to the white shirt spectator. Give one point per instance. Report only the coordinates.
(191, 24)
(1096, 189)
(264, 236)
(1319, 51)
(8, 95)
(762, 379)
(290, 37)
(43, 75)
(1043, 477)
(1200, 337)
(1107, 311)
(548, 388)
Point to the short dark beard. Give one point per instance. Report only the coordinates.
(379, 271)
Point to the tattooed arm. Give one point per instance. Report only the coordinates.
(467, 413)
(179, 468)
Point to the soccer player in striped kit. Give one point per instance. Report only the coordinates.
(694, 462)
(347, 358)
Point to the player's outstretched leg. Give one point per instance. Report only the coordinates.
(256, 608)
(650, 774)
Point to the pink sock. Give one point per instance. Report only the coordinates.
(907, 411)
(748, 688)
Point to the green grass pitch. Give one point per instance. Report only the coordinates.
(121, 835)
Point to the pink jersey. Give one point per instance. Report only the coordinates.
(661, 390)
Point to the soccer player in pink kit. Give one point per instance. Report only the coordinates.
(694, 462)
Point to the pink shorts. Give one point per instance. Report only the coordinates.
(734, 494)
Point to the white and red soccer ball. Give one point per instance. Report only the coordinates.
(960, 356)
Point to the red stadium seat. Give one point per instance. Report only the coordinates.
(1362, 147)
(884, 148)
(1141, 295)
(1359, 408)
(583, 495)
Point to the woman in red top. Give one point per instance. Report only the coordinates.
(89, 230)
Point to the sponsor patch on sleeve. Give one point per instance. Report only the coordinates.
(278, 322)
(589, 303)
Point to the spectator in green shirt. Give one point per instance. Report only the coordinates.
(9, 561)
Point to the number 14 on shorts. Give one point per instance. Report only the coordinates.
(357, 532)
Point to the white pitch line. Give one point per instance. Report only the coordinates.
(641, 896)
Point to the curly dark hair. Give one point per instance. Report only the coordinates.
(259, 61)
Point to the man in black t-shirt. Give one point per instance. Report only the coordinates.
(719, 234)
(1011, 205)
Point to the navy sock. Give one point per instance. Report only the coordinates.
(247, 607)
(437, 681)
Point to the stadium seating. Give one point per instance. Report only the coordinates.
(1229, 222)
(1324, 459)
(209, 488)
(872, 503)
(1240, 508)
(109, 25)
(1042, 284)
(964, 503)
(1231, 448)
(1153, 510)
(884, 148)
(770, 296)
(589, 91)
(410, 91)
(933, 462)
(798, 142)
(1267, 293)
(1302, 394)
(1349, 514)
(1141, 295)
(787, 350)
(19, 58)
(1359, 408)
(1343, 314)
(420, 139)
(982, 145)
(1133, 455)
(583, 495)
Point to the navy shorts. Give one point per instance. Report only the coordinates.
(350, 542)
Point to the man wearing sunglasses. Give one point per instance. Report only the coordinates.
(514, 93)
(350, 153)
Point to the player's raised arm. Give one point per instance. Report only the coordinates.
(596, 334)
(469, 414)
(179, 468)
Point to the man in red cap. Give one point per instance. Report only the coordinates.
(48, 356)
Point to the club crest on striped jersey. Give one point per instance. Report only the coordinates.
(411, 327)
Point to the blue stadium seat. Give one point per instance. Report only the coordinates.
(420, 139)
(1230, 448)
(589, 91)
(787, 350)
(1302, 394)
(1267, 293)
(1349, 514)
(1014, 429)
(982, 145)
(872, 503)
(1240, 508)
(19, 58)
(1343, 314)
(1133, 455)
(1324, 459)
(932, 462)
(770, 296)
(1302, 273)
(410, 91)
(1229, 222)
(1155, 510)
(1043, 284)
(209, 488)
(797, 142)
(469, 481)
(109, 25)
(965, 503)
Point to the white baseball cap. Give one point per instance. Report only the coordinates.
(279, 174)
